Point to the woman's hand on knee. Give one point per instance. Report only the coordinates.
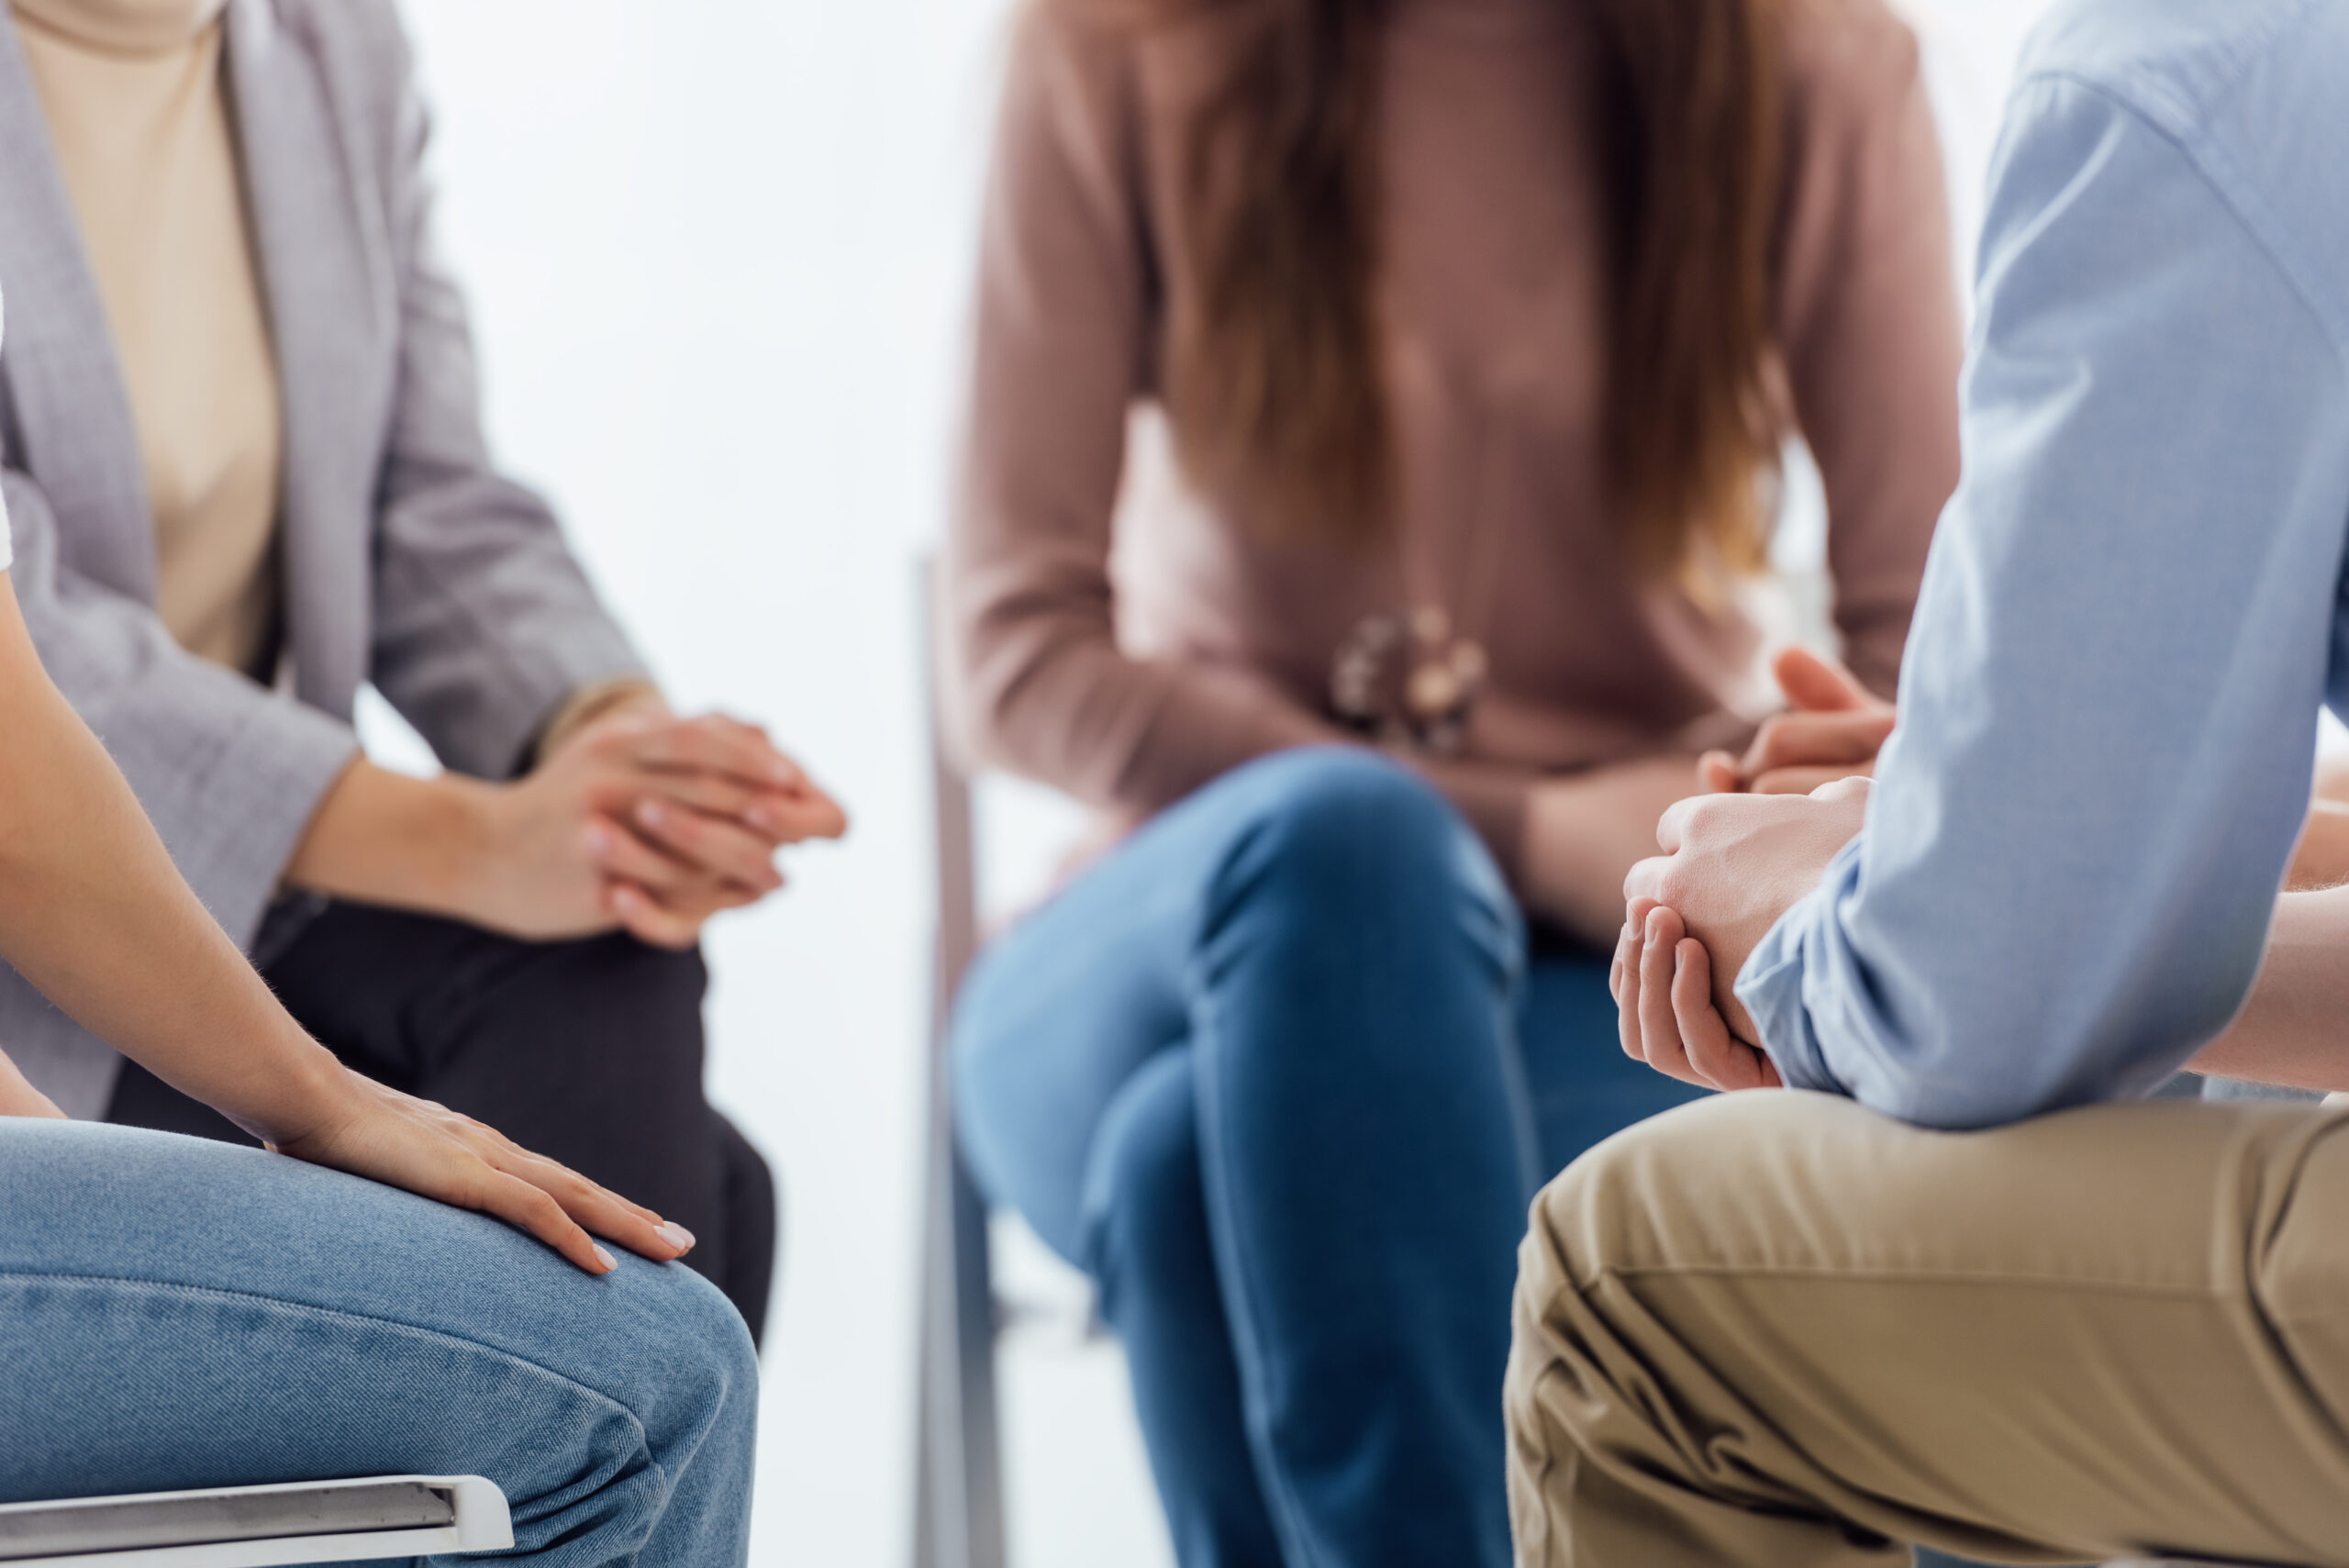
(429, 1150)
(1662, 981)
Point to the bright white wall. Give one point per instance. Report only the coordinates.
(719, 250)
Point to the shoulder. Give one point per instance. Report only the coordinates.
(1070, 104)
(1857, 115)
(2197, 68)
(364, 53)
(2247, 92)
(1072, 57)
(2191, 46)
(1846, 45)
(1848, 61)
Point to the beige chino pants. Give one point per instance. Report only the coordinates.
(1777, 1330)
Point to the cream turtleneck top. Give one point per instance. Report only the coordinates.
(135, 96)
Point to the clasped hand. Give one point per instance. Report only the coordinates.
(1733, 861)
(650, 823)
(1731, 866)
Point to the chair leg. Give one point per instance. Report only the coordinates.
(958, 1503)
(959, 1512)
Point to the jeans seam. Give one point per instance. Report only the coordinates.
(214, 1293)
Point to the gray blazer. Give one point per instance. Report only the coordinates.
(410, 562)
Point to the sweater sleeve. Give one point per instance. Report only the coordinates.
(1066, 311)
(1868, 313)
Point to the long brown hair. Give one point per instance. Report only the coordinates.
(1275, 383)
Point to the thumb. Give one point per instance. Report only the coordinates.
(1817, 685)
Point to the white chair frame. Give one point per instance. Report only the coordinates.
(261, 1527)
(958, 1483)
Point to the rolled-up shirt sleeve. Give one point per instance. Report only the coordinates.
(2109, 702)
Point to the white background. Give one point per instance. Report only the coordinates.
(718, 251)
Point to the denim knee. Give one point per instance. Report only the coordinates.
(1145, 1211)
(697, 1338)
(693, 1382)
(1342, 828)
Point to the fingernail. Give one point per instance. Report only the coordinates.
(599, 838)
(783, 772)
(605, 1258)
(758, 816)
(649, 813)
(676, 1235)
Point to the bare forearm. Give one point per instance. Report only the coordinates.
(92, 912)
(382, 838)
(2291, 1031)
(2322, 860)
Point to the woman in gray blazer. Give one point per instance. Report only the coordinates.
(240, 422)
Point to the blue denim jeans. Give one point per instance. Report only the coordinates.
(1278, 1074)
(176, 1313)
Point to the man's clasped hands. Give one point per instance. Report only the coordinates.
(1736, 859)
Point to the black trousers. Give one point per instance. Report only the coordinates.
(589, 1052)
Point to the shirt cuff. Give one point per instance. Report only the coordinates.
(1774, 983)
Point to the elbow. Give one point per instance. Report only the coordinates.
(1939, 1105)
(1965, 1084)
(1024, 682)
(985, 708)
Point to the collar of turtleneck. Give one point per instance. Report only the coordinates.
(124, 26)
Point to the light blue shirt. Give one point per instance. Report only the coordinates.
(2135, 607)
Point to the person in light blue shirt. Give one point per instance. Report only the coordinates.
(1782, 1329)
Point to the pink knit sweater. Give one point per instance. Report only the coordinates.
(1130, 677)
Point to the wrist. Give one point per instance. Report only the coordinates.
(462, 837)
(386, 839)
(303, 1095)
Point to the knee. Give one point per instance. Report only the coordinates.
(1638, 1197)
(660, 1452)
(1144, 1200)
(1566, 1404)
(1340, 827)
(702, 1393)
